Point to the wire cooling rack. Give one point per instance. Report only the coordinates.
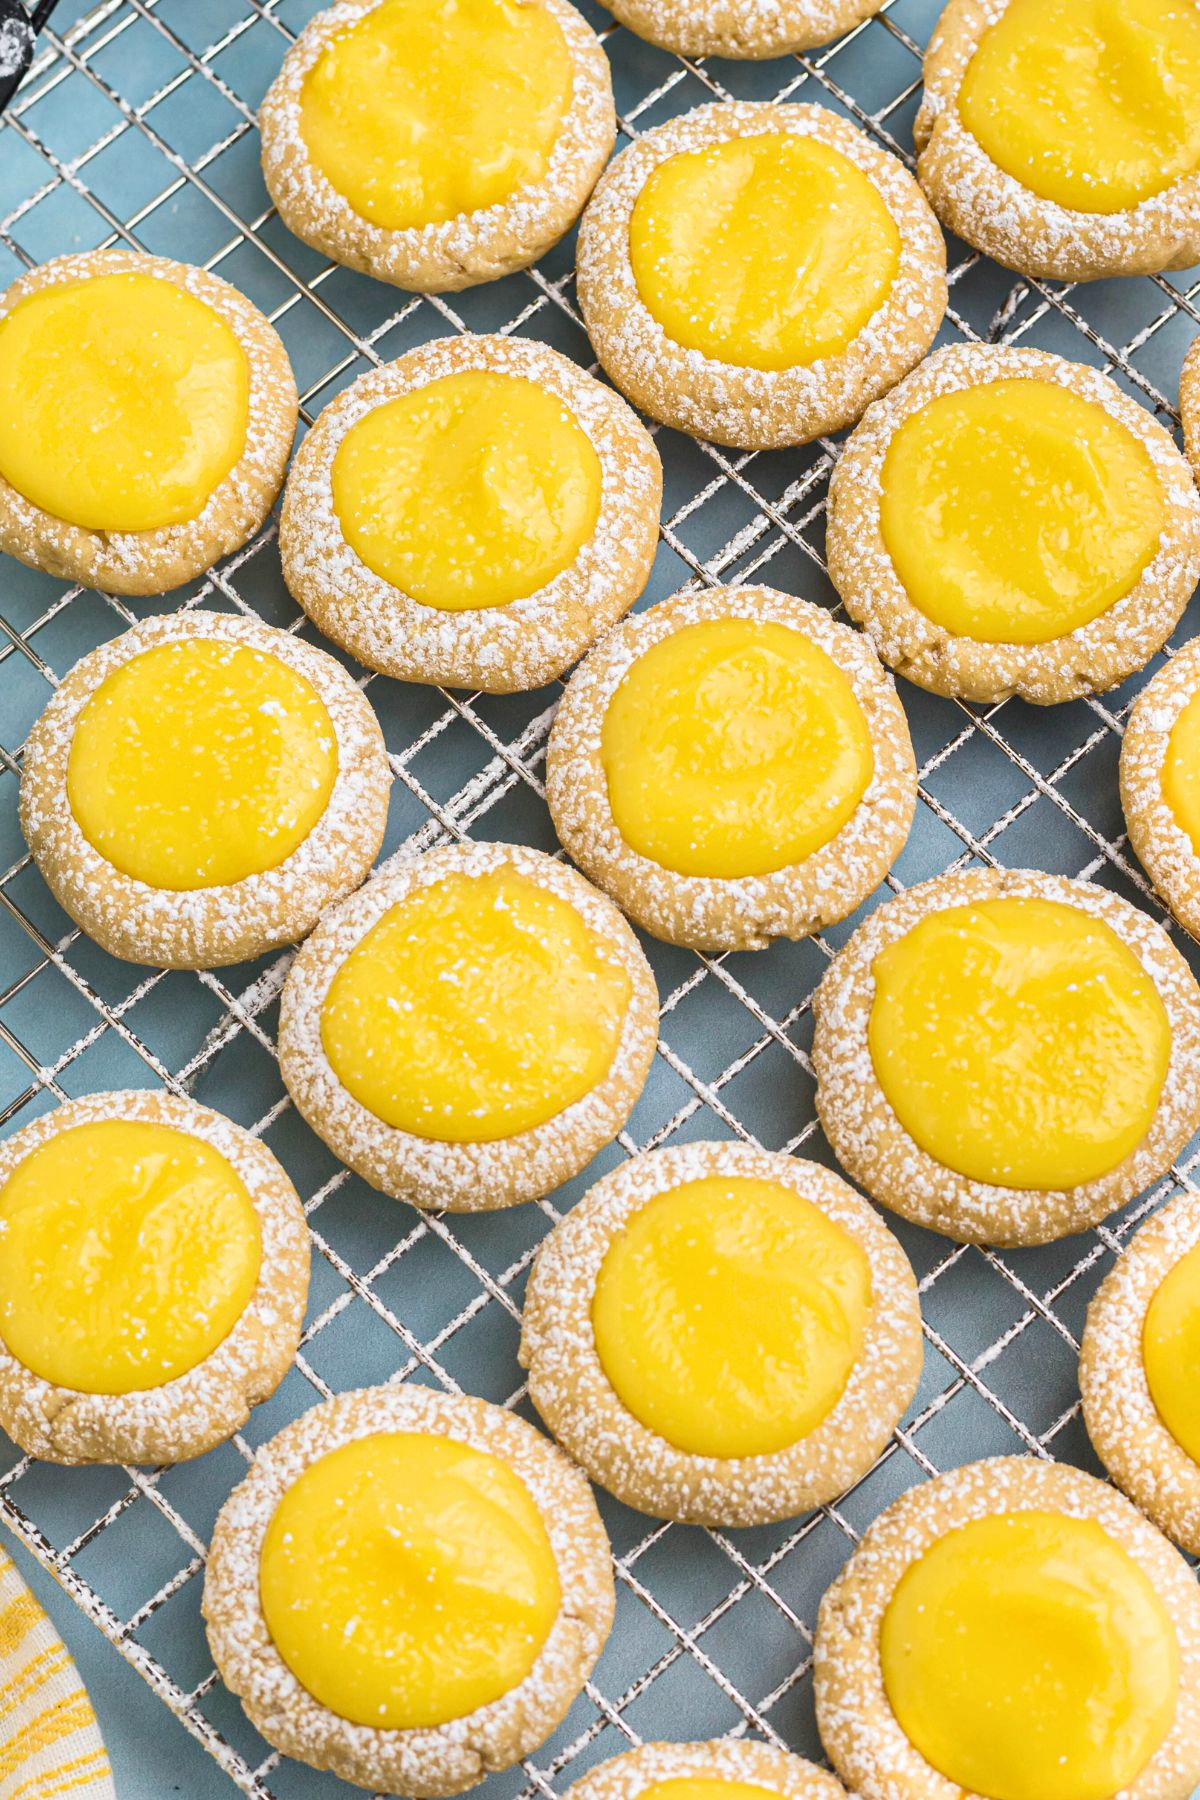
(136, 125)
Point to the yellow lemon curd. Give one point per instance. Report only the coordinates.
(130, 1250)
(1017, 511)
(200, 763)
(767, 252)
(706, 1787)
(728, 1315)
(125, 402)
(1181, 771)
(734, 747)
(408, 1579)
(476, 1008)
(1091, 104)
(422, 110)
(1171, 1352)
(1028, 1657)
(472, 491)
(1019, 1042)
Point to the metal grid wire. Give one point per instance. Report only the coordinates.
(137, 126)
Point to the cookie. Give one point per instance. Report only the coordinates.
(149, 414)
(722, 1336)
(1006, 522)
(409, 1589)
(437, 143)
(153, 1282)
(757, 273)
(745, 30)
(720, 1769)
(470, 1029)
(1014, 1629)
(475, 514)
(1160, 783)
(1139, 1371)
(1006, 1056)
(1061, 136)
(732, 766)
(199, 789)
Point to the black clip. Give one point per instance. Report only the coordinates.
(18, 34)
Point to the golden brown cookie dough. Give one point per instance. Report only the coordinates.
(741, 29)
(144, 1225)
(749, 762)
(443, 243)
(762, 1390)
(989, 997)
(522, 642)
(1189, 404)
(744, 1762)
(1024, 1658)
(446, 1755)
(1145, 512)
(1131, 1437)
(99, 553)
(453, 1091)
(874, 294)
(1052, 210)
(179, 866)
(1160, 763)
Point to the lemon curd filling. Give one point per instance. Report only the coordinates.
(1028, 1657)
(1017, 511)
(407, 1579)
(1091, 104)
(734, 747)
(728, 1315)
(422, 110)
(1181, 771)
(128, 1251)
(126, 402)
(472, 491)
(476, 1008)
(766, 252)
(1019, 1041)
(706, 1787)
(200, 763)
(1171, 1352)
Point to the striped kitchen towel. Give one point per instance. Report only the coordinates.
(50, 1743)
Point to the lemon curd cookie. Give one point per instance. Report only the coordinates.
(1005, 522)
(1013, 1629)
(1139, 1370)
(437, 143)
(1160, 783)
(722, 1336)
(475, 514)
(732, 766)
(1062, 137)
(1007, 1056)
(741, 29)
(719, 1769)
(467, 1031)
(756, 273)
(200, 788)
(149, 412)
(409, 1589)
(153, 1280)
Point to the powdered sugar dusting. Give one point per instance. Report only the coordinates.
(717, 1759)
(755, 408)
(463, 1177)
(746, 913)
(436, 1760)
(204, 927)
(742, 28)
(872, 1145)
(501, 649)
(571, 1390)
(1088, 660)
(1163, 846)
(207, 1404)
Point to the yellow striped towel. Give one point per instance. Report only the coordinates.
(50, 1743)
